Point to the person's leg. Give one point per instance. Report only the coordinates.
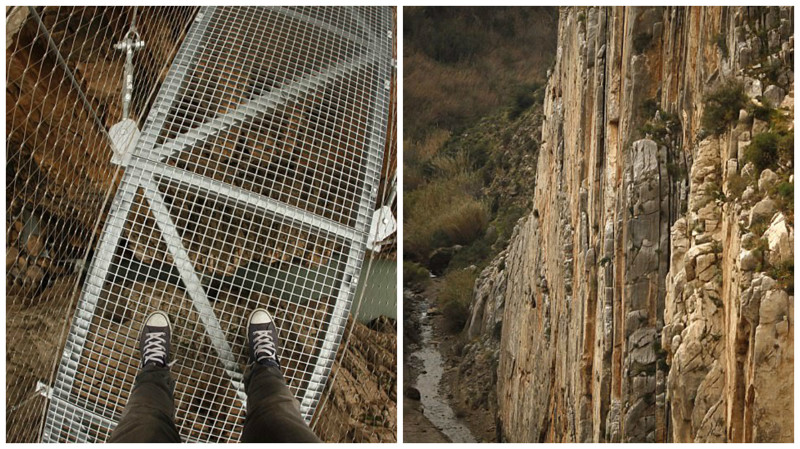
(149, 415)
(273, 414)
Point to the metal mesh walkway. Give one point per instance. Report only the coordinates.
(253, 183)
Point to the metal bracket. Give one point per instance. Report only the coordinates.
(383, 225)
(124, 136)
(44, 390)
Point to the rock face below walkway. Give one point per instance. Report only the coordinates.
(648, 296)
(361, 404)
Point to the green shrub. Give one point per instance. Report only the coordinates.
(648, 108)
(737, 185)
(476, 253)
(763, 112)
(525, 96)
(783, 193)
(479, 153)
(465, 222)
(677, 172)
(722, 107)
(662, 127)
(760, 251)
(414, 274)
(771, 71)
(454, 298)
(759, 226)
(785, 189)
(452, 43)
(784, 274)
(763, 150)
(449, 165)
(786, 145)
(656, 129)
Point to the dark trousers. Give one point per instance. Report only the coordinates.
(272, 415)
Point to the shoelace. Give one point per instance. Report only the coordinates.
(263, 344)
(155, 348)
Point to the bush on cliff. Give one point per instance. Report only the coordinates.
(722, 106)
(770, 149)
(762, 151)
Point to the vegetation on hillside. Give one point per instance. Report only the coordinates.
(460, 64)
(473, 84)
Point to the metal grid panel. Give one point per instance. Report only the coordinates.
(63, 82)
(253, 183)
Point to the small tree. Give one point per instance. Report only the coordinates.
(722, 107)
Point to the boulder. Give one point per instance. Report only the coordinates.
(767, 180)
(747, 260)
(412, 393)
(440, 259)
(774, 95)
(753, 88)
(745, 53)
(788, 101)
(749, 240)
(774, 307)
(705, 264)
(749, 193)
(781, 240)
(763, 210)
(749, 169)
(774, 40)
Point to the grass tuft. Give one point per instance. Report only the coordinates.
(454, 298)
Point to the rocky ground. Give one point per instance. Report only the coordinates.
(362, 400)
(33, 341)
(416, 427)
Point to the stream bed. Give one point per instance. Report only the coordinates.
(435, 406)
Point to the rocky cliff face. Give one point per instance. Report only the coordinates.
(648, 295)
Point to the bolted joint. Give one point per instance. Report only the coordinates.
(129, 44)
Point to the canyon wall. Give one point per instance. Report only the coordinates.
(648, 296)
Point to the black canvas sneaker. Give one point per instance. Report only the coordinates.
(262, 337)
(154, 340)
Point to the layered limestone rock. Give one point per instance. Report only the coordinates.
(642, 298)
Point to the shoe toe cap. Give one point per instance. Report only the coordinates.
(260, 317)
(158, 319)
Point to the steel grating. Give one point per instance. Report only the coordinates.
(253, 183)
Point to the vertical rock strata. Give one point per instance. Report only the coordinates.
(639, 301)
